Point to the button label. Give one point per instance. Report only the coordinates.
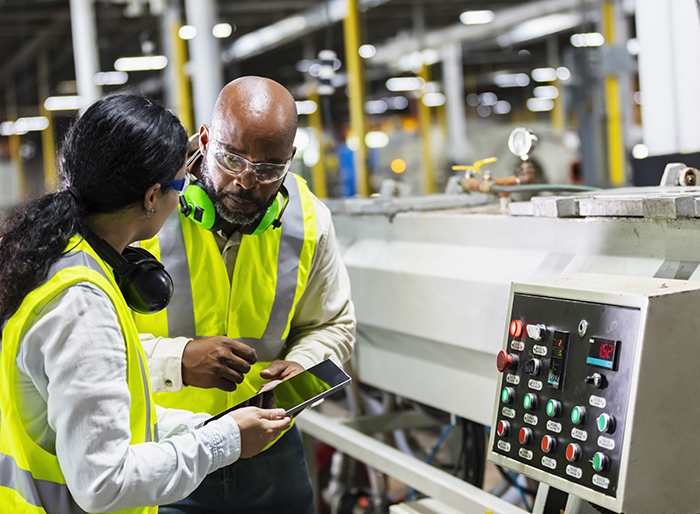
(534, 384)
(606, 442)
(503, 446)
(601, 481)
(513, 379)
(517, 345)
(529, 418)
(573, 471)
(508, 413)
(525, 454)
(539, 350)
(553, 426)
(597, 401)
(548, 462)
(579, 434)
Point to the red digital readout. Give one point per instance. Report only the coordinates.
(606, 351)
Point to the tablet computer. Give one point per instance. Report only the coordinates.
(297, 392)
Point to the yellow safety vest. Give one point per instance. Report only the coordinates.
(31, 480)
(256, 306)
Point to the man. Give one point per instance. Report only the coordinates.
(281, 297)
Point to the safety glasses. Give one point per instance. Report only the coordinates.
(178, 184)
(233, 164)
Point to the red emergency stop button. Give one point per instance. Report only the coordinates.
(516, 328)
(505, 360)
(503, 428)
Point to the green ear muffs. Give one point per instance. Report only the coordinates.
(196, 204)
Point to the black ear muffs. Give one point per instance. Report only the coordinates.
(143, 281)
(198, 206)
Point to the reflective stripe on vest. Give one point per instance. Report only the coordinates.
(30, 477)
(40, 493)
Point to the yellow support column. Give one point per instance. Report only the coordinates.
(616, 145)
(426, 145)
(48, 146)
(358, 126)
(183, 101)
(318, 171)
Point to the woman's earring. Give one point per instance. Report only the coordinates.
(150, 214)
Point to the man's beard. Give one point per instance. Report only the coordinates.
(233, 215)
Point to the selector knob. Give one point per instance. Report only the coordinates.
(578, 415)
(532, 367)
(553, 408)
(596, 380)
(536, 332)
(508, 395)
(606, 423)
(548, 444)
(503, 428)
(573, 452)
(505, 360)
(600, 461)
(530, 401)
(525, 435)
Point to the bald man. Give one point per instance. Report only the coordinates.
(252, 303)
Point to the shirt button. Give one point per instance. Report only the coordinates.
(169, 383)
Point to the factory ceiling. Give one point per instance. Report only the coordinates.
(36, 44)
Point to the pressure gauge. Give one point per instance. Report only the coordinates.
(521, 142)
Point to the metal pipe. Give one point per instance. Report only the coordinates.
(48, 140)
(351, 32)
(85, 50)
(205, 60)
(425, 139)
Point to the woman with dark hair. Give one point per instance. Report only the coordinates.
(78, 427)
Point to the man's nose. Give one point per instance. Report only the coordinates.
(247, 179)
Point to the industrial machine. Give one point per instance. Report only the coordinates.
(596, 390)
(597, 376)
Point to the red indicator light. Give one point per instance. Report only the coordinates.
(516, 328)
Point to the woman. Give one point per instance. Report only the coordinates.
(77, 426)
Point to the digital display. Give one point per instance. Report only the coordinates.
(602, 352)
(556, 363)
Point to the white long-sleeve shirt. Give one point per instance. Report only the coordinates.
(323, 325)
(74, 401)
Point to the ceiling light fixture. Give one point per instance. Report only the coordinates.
(153, 62)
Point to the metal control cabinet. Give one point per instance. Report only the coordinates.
(599, 390)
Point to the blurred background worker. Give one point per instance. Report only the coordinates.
(79, 428)
(257, 268)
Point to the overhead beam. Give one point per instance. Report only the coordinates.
(291, 28)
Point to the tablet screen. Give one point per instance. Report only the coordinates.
(297, 392)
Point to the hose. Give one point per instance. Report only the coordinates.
(539, 188)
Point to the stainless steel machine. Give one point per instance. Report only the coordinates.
(431, 281)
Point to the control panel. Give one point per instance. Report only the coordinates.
(569, 411)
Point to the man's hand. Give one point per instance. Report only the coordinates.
(281, 370)
(216, 362)
(258, 428)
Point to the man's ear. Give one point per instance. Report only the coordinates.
(203, 137)
(294, 151)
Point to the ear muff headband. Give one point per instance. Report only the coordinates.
(142, 280)
(198, 206)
